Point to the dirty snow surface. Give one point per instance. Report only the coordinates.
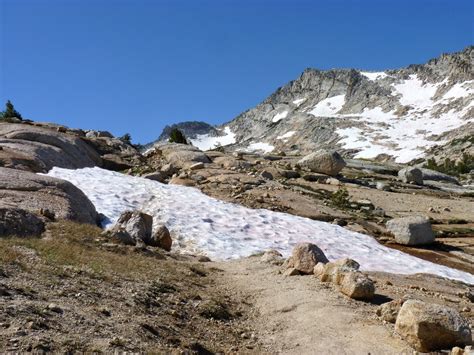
(221, 230)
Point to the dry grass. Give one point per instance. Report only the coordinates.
(70, 244)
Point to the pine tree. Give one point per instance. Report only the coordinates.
(10, 112)
(176, 136)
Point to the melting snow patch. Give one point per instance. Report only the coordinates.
(416, 94)
(328, 107)
(299, 101)
(265, 147)
(460, 90)
(206, 142)
(374, 75)
(280, 116)
(201, 224)
(286, 135)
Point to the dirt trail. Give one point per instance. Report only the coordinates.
(300, 315)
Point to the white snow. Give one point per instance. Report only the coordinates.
(298, 102)
(286, 135)
(206, 142)
(279, 116)
(265, 147)
(407, 137)
(416, 94)
(460, 90)
(221, 230)
(374, 75)
(328, 107)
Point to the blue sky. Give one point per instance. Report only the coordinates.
(136, 65)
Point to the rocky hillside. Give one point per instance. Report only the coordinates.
(396, 114)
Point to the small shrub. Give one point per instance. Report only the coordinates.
(176, 136)
(340, 198)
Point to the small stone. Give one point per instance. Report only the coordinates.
(291, 272)
(55, 308)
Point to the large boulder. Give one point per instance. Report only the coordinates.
(134, 227)
(413, 230)
(428, 327)
(182, 155)
(33, 193)
(305, 256)
(38, 149)
(323, 161)
(411, 175)
(19, 223)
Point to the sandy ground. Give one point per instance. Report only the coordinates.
(300, 315)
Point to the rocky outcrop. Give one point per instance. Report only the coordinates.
(305, 256)
(356, 112)
(115, 154)
(324, 162)
(415, 230)
(428, 327)
(19, 223)
(38, 149)
(35, 193)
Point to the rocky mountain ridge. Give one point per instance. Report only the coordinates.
(395, 114)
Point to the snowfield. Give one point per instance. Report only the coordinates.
(206, 142)
(221, 230)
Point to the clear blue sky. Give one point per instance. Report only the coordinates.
(136, 65)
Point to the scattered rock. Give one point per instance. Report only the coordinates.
(196, 166)
(20, 223)
(334, 271)
(389, 310)
(161, 238)
(411, 175)
(381, 185)
(428, 327)
(156, 176)
(357, 286)
(272, 256)
(414, 230)
(323, 161)
(291, 272)
(266, 175)
(305, 256)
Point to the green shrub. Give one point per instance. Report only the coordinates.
(176, 136)
(451, 167)
(10, 112)
(340, 198)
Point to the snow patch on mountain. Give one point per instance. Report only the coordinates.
(328, 107)
(286, 135)
(260, 146)
(374, 75)
(222, 230)
(206, 142)
(279, 116)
